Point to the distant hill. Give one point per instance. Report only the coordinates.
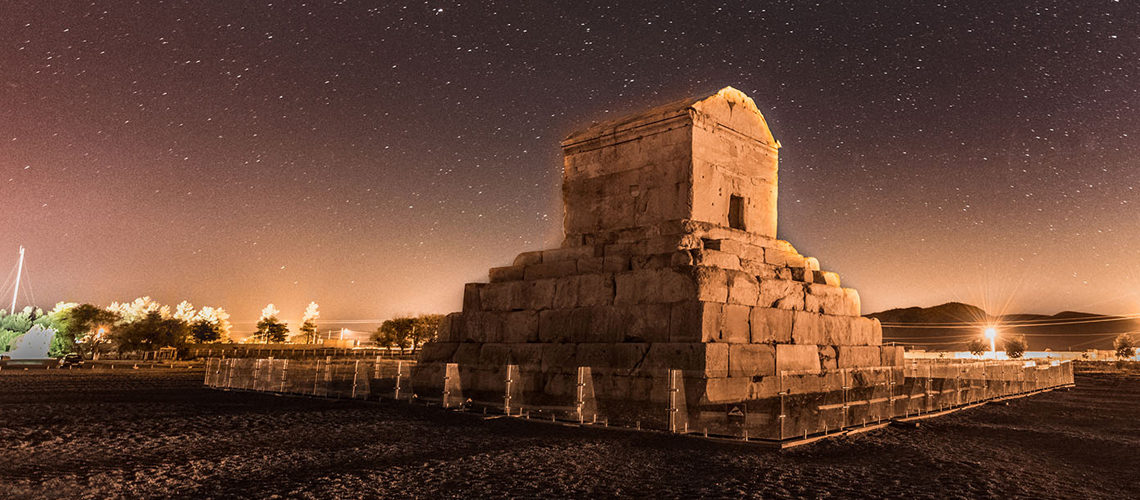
(950, 326)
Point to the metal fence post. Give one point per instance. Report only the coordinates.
(284, 374)
(507, 394)
(399, 376)
(316, 376)
(355, 373)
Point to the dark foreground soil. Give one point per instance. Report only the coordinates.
(159, 433)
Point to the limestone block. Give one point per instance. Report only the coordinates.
(501, 296)
(520, 326)
(610, 357)
(811, 263)
(750, 360)
(758, 268)
(565, 325)
(566, 292)
(839, 329)
(471, 296)
(616, 263)
(690, 320)
(733, 326)
(778, 257)
(682, 258)
(559, 358)
(653, 261)
(538, 295)
(785, 273)
(652, 286)
(595, 289)
(508, 273)
(734, 247)
(828, 357)
(858, 356)
(726, 390)
(667, 244)
(567, 253)
(771, 325)
(438, 351)
(591, 265)
(891, 355)
(781, 294)
(803, 274)
(486, 326)
(447, 328)
(742, 288)
(714, 258)
(528, 258)
(618, 250)
(594, 324)
(467, 353)
(716, 359)
(689, 356)
(556, 269)
(711, 283)
(828, 299)
(795, 357)
(494, 355)
(854, 304)
(808, 328)
(527, 356)
(830, 278)
(640, 323)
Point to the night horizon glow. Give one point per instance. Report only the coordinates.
(374, 159)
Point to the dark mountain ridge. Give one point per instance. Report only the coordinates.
(951, 325)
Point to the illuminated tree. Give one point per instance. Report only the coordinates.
(1015, 347)
(89, 327)
(210, 325)
(309, 324)
(129, 312)
(1125, 346)
(269, 329)
(184, 311)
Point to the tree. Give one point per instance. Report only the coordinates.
(210, 325)
(1125, 346)
(978, 346)
(426, 328)
(395, 332)
(269, 329)
(204, 332)
(1015, 347)
(309, 324)
(152, 331)
(89, 327)
(405, 331)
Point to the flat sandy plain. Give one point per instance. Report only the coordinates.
(159, 433)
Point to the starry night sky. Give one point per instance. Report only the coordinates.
(374, 156)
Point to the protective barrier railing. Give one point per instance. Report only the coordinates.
(715, 403)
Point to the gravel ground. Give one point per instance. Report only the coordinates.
(159, 433)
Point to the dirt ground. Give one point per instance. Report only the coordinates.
(159, 433)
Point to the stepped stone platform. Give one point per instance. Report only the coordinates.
(670, 261)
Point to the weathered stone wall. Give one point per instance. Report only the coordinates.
(651, 277)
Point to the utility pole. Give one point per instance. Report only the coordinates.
(19, 272)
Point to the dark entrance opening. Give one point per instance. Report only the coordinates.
(736, 212)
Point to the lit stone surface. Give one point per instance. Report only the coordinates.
(669, 262)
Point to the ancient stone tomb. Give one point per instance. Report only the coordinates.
(670, 261)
